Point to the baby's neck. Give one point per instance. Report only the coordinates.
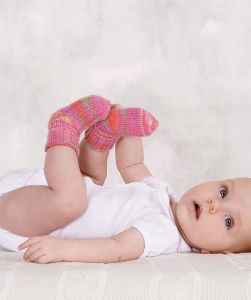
(174, 207)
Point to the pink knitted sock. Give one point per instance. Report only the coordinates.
(66, 124)
(120, 122)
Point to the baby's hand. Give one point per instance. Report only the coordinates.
(44, 249)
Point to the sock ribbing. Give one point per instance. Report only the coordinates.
(120, 122)
(66, 124)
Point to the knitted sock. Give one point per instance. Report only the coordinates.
(120, 122)
(66, 124)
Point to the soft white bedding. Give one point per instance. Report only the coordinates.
(176, 276)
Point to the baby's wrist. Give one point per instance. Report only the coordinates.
(64, 247)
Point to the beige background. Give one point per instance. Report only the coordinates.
(188, 62)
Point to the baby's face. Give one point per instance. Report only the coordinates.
(216, 216)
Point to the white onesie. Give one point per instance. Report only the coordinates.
(110, 210)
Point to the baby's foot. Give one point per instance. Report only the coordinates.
(120, 122)
(66, 124)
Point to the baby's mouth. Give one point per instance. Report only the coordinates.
(198, 210)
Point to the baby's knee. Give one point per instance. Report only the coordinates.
(72, 207)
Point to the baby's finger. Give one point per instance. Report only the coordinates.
(36, 255)
(30, 250)
(43, 259)
(28, 243)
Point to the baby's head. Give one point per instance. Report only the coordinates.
(216, 216)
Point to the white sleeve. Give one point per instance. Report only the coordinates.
(159, 232)
(158, 183)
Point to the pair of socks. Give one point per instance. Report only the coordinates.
(103, 125)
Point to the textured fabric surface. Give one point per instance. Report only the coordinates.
(175, 276)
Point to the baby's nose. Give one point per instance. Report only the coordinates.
(213, 205)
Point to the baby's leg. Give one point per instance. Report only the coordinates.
(130, 155)
(93, 163)
(123, 126)
(130, 159)
(38, 210)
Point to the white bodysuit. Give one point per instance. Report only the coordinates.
(110, 210)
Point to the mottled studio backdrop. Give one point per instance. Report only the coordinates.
(188, 62)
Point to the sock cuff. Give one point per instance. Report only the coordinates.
(62, 137)
(66, 124)
(98, 142)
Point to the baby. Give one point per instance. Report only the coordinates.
(70, 216)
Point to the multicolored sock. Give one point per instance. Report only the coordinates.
(120, 122)
(66, 124)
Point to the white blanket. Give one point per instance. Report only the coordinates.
(176, 276)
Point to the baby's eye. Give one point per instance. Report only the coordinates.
(228, 221)
(223, 192)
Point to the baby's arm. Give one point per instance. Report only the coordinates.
(124, 246)
(130, 159)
